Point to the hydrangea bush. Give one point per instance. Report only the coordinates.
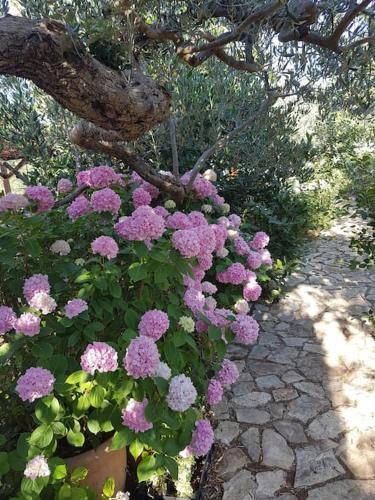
(116, 313)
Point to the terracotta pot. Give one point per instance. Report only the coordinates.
(101, 463)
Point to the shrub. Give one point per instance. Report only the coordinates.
(116, 321)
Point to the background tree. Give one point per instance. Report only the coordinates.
(98, 61)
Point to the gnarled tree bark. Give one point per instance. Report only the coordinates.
(49, 54)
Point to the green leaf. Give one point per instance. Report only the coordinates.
(41, 436)
(172, 466)
(42, 350)
(2, 439)
(109, 487)
(131, 319)
(146, 468)
(79, 474)
(43, 413)
(4, 465)
(96, 396)
(75, 438)
(77, 377)
(33, 247)
(93, 426)
(214, 333)
(122, 438)
(115, 290)
(60, 472)
(136, 448)
(137, 271)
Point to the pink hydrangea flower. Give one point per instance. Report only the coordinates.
(102, 177)
(254, 260)
(228, 373)
(186, 241)
(28, 324)
(42, 196)
(7, 319)
(100, 357)
(64, 186)
(105, 200)
(37, 467)
(202, 187)
(44, 302)
(142, 357)
(79, 207)
(235, 274)
(163, 212)
(240, 246)
(203, 438)
(221, 235)
(224, 221)
(252, 291)
(75, 307)
(133, 416)
(214, 392)
(194, 299)
(144, 224)
(34, 284)
(209, 288)
(153, 324)
(234, 220)
(105, 246)
(266, 257)
(259, 241)
(205, 261)
(141, 197)
(182, 394)
(13, 201)
(34, 384)
(246, 329)
(201, 326)
(218, 200)
(152, 190)
(83, 178)
(178, 220)
(197, 219)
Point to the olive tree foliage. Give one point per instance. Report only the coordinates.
(105, 61)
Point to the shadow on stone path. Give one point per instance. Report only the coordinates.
(300, 422)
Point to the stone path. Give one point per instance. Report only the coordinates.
(300, 422)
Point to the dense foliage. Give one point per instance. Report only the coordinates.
(116, 319)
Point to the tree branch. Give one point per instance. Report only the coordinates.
(231, 36)
(89, 137)
(70, 197)
(47, 53)
(357, 43)
(348, 19)
(15, 171)
(173, 138)
(227, 138)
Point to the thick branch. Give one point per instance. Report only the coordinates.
(46, 52)
(173, 138)
(348, 19)
(357, 43)
(231, 36)
(15, 171)
(88, 137)
(227, 138)
(70, 197)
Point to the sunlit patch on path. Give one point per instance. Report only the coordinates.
(300, 422)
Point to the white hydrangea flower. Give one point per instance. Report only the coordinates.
(169, 204)
(222, 253)
(37, 467)
(207, 209)
(60, 247)
(187, 324)
(232, 234)
(163, 371)
(241, 307)
(43, 302)
(225, 208)
(210, 175)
